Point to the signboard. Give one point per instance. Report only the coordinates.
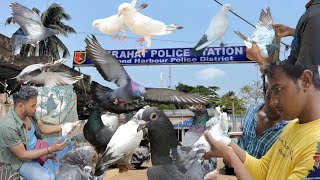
(175, 56)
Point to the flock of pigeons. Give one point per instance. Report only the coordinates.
(114, 143)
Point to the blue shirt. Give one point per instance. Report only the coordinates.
(32, 139)
(258, 146)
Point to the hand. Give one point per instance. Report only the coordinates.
(218, 149)
(283, 31)
(253, 53)
(68, 128)
(56, 146)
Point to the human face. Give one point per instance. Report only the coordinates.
(270, 111)
(287, 97)
(29, 107)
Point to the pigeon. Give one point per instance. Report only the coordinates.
(115, 23)
(31, 29)
(224, 123)
(216, 30)
(198, 126)
(144, 25)
(100, 94)
(263, 35)
(38, 74)
(111, 121)
(66, 128)
(79, 164)
(215, 119)
(165, 156)
(122, 144)
(128, 90)
(94, 131)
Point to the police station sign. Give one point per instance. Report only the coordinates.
(235, 54)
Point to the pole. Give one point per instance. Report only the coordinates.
(234, 123)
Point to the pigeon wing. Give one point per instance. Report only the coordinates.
(28, 20)
(164, 95)
(51, 79)
(107, 65)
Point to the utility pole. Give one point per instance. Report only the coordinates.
(169, 77)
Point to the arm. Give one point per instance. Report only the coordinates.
(48, 129)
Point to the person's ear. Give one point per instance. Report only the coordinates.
(306, 80)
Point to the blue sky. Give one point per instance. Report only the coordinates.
(193, 15)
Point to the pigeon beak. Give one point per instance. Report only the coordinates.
(142, 125)
(119, 15)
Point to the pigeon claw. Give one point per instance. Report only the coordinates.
(116, 37)
(122, 39)
(141, 40)
(141, 51)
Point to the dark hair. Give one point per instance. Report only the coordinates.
(294, 72)
(24, 95)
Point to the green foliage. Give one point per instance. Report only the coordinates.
(253, 93)
(239, 104)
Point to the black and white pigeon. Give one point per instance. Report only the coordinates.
(39, 75)
(31, 29)
(216, 30)
(166, 156)
(79, 164)
(263, 35)
(128, 90)
(122, 144)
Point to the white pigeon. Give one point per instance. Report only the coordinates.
(38, 74)
(31, 28)
(68, 127)
(215, 119)
(202, 146)
(122, 144)
(224, 123)
(114, 23)
(144, 25)
(216, 30)
(111, 121)
(263, 35)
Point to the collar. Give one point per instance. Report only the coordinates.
(16, 117)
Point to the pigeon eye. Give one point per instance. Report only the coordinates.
(90, 106)
(153, 116)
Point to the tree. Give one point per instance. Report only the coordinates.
(239, 105)
(51, 46)
(253, 93)
(202, 90)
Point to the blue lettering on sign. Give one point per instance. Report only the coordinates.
(236, 54)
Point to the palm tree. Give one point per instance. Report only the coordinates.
(51, 46)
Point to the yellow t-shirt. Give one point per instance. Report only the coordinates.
(291, 156)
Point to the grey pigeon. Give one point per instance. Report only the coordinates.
(31, 28)
(263, 35)
(144, 25)
(79, 164)
(128, 90)
(166, 158)
(114, 23)
(198, 126)
(216, 30)
(38, 74)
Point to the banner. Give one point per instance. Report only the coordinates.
(175, 56)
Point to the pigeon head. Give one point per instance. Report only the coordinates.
(227, 7)
(271, 48)
(89, 106)
(96, 23)
(123, 9)
(138, 91)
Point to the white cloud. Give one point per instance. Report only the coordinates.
(211, 73)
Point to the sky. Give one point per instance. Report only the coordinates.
(193, 15)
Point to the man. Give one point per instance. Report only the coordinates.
(14, 139)
(262, 126)
(295, 93)
(306, 39)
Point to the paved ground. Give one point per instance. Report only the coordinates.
(136, 174)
